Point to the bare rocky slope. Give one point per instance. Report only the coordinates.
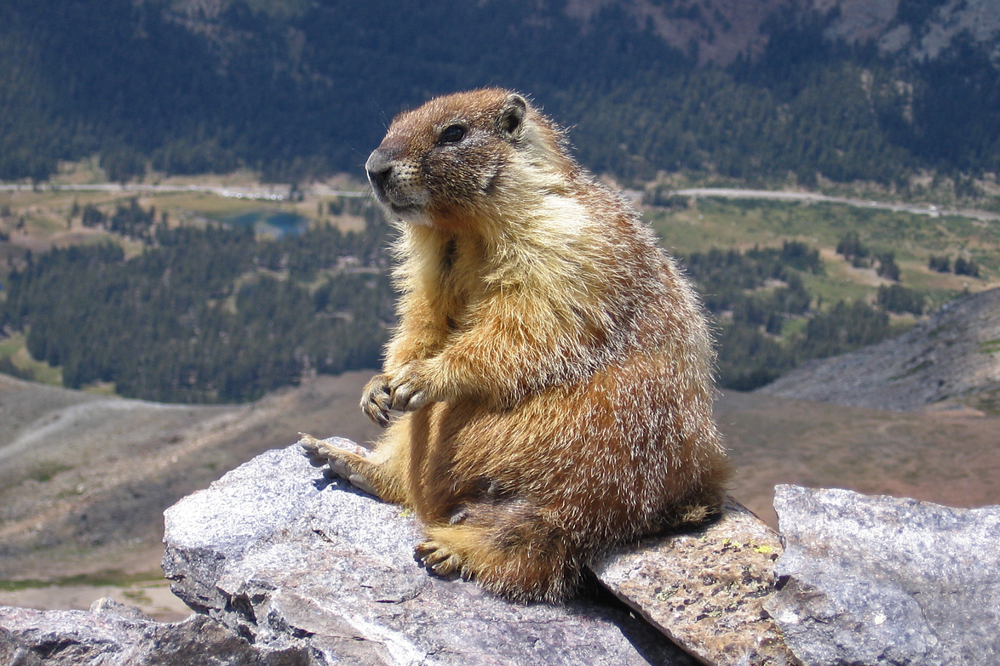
(721, 30)
(286, 566)
(84, 479)
(953, 359)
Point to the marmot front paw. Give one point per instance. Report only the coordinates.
(408, 389)
(376, 400)
(404, 392)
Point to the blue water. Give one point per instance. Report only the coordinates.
(275, 223)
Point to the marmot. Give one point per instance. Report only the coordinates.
(553, 364)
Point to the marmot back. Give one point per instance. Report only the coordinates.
(552, 365)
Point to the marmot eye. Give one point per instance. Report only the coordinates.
(452, 134)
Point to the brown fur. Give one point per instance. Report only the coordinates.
(552, 363)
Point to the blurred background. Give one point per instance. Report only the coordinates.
(192, 269)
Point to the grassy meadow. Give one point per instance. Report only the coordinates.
(913, 238)
(35, 221)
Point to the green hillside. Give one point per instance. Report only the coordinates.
(210, 312)
(172, 298)
(205, 315)
(297, 89)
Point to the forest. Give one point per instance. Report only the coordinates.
(757, 295)
(303, 90)
(217, 314)
(206, 315)
(306, 89)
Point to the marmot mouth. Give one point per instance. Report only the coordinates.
(404, 210)
(409, 213)
(401, 209)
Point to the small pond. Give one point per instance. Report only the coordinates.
(272, 222)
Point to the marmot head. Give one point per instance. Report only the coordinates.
(453, 159)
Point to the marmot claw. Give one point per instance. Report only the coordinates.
(376, 400)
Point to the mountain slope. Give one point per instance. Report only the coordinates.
(84, 479)
(952, 358)
(849, 89)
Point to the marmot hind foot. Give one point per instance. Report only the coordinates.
(341, 463)
(441, 560)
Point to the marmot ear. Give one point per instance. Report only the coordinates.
(512, 117)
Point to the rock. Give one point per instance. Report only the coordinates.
(973, 20)
(290, 559)
(706, 590)
(951, 357)
(880, 580)
(112, 634)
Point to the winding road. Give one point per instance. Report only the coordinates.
(269, 193)
(810, 197)
(281, 193)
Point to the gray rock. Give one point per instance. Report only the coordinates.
(112, 634)
(974, 20)
(290, 559)
(706, 590)
(951, 357)
(880, 580)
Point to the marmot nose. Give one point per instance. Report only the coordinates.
(378, 167)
